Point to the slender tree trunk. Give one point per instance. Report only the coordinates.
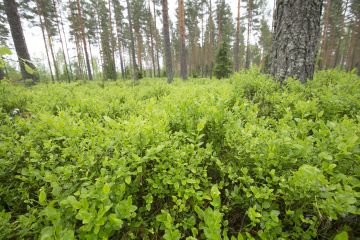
(183, 67)
(169, 69)
(219, 29)
(237, 41)
(295, 39)
(82, 29)
(118, 33)
(156, 42)
(2, 74)
(17, 34)
(65, 41)
(52, 54)
(323, 49)
(79, 57)
(46, 48)
(132, 44)
(352, 47)
(112, 39)
(247, 54)
(152, 41)
(339, 43)
(212, 40)
(61, 41)
(330, 49)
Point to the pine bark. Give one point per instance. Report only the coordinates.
(169, 70)
(295, 39)
(17, 34)
(183, 67)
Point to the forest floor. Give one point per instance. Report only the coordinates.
(241, 158)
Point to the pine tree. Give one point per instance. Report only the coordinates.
(165, 15)
(26, 66)
(83, 37)
(132, 43)
(295, 38)
(223, 65)
(183, 66)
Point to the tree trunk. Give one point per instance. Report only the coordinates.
(65, 41)
(46, 48)
(212, 38)
(152, 41)
(323, 49)
(247, 54)
(61, 41)
(351, 63)
(156, 42)
(295, 39)
(118, 33)
(83, 37)
(17, 34)
(339, 42)
(132, 44)
(237, 41)
(2, 74)
(183, 67)
(219, 28)
(167, 41)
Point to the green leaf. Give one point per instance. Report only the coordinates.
(5, 51)
(128, 180)
(106, 189)
(29, 69)
(47, 233)
(342, 236)
(42, 197)
(115, 221)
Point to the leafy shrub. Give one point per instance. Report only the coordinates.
(241, 158)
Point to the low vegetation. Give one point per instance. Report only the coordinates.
(241, 158)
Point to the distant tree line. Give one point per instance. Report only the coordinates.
(123, 39)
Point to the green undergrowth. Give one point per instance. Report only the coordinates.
(241, 158)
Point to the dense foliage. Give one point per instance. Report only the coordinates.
(241, 158)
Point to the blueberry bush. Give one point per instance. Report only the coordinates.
(240, 158)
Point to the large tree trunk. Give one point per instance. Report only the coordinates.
(296, 34)
(132, 44)
(237, 41)
(183, 67)
(83, 37)
(17, 34)
(167, 41)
